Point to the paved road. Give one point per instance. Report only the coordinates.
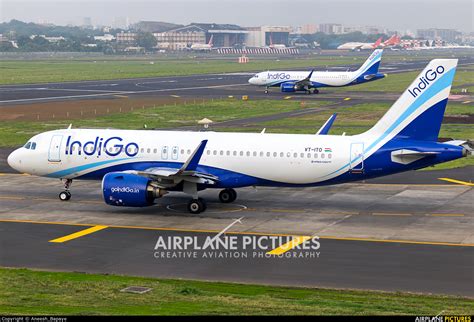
(341, 263)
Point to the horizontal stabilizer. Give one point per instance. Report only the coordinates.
(405, 156)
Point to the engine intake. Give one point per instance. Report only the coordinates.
(288, 87)
(129, 190)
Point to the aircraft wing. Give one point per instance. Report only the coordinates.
(165, 177)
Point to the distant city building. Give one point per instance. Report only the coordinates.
(121, 23)
(309, 29)
(105, 38)
(50, 39)
(267, 35)
(5, 39)
(434, 34)
(369, 30)
(126, 37)
(331, 28)
(87, 22)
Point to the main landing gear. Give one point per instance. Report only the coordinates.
(266, 90)
(66, 194)
(198, 205)
(227, 195)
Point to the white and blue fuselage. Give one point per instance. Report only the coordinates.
(137, 166)
(292, 81)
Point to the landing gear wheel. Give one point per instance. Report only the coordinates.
(227, 195)
(266, 91)
(315, 91)
(203, 201)
(196, 206)
(65, 195)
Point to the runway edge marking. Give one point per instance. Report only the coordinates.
(239, 233)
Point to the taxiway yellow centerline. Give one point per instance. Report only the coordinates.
(239, 233)
(289, 245)
(78, 234)
(458, 181)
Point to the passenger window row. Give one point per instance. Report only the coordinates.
(268, 154)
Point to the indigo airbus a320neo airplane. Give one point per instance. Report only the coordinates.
(292, 81)
(136, 167)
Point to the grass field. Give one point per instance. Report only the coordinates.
(41, 71)
(14, 133)
(113, 67)
(399, 82)
(27, 292)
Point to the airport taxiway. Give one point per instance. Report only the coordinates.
(203, 85)
(394, 237)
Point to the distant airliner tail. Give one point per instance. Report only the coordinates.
(377, 43)
(371, 65)
(419, 111)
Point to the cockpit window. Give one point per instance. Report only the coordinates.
(256, 76)
(30, 145)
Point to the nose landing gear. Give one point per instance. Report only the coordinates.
(66, 194)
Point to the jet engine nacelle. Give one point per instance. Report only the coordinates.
(288, 87)
(129, 190)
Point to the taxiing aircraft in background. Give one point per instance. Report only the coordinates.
(293, 81)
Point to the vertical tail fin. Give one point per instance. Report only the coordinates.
(210, 40)
(419, 111)
(377, 43)
(371, 65)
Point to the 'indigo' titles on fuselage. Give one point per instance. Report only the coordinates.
(110, 146)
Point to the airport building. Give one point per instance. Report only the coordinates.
(266, 35)
(126, 37)
(223, 35)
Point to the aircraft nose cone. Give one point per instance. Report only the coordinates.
(251, 81)
(13, 160)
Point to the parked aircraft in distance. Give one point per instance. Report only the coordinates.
(389, 43)
(203, 47)
(293, 81)
(138, 166)
(360, 45)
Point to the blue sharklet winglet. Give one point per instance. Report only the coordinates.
(193, 161)
(324, 130)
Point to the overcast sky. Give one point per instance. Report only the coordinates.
(392, 14)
